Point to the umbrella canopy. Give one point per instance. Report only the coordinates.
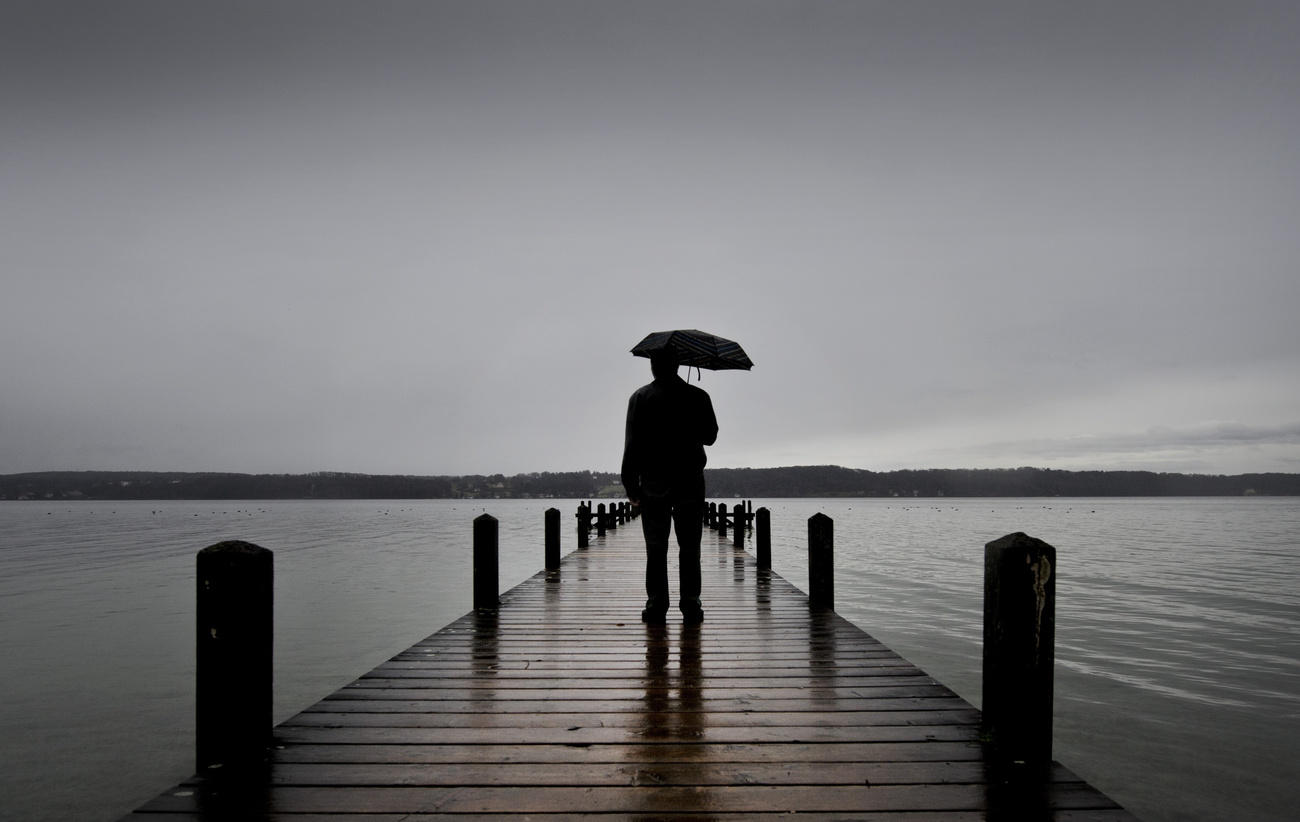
(696, 349)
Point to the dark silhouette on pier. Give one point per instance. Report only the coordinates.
(668, 424)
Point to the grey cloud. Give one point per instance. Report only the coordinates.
(1167, 444)
(421, 237)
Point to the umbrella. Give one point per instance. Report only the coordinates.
(696, 349)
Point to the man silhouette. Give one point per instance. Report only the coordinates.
(668, 425)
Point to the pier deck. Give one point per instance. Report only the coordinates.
(565, 704)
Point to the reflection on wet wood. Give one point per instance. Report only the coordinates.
(564, 704)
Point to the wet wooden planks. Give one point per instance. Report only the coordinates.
(564, 704)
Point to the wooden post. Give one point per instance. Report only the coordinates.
(584, 525)
(600, 520)
(738, 524)
(235, 611)
(722, 519)
(486, 585)
(552, 538)
(821, 562)
(711, 519)
(1019, 649)
(763, 539)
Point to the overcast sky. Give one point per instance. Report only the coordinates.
(421, 237)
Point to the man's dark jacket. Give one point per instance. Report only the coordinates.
(668, 424)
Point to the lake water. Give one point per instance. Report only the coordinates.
(1178, 627)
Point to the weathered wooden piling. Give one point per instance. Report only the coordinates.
(600, 520)
(738, 526)
(722, 519)
(486, 578)
(821, 562)
(552, 519)
(763, 539)
(234, 630)
(584, 525)
(1019, 639)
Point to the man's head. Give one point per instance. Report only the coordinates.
(663, 364)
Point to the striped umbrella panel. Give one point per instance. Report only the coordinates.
(696, 348)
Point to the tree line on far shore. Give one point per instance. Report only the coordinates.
(753, 483)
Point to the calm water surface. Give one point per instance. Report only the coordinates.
(1178, 627)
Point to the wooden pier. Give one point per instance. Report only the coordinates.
(561, 703)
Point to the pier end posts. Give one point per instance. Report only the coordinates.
(821, 562)
(738, 518)
(486, 585)
(763, 538)
(552, 538)
(600, 520)
(1019, 638)
(234, 630)
(722, 519)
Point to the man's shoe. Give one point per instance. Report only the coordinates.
(655, 612)
(693, 616)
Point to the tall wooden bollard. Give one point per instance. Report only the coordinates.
(738, 527)
(234, 629)
(711, 518)
(722, 519)
(600, 520)
(763, 538)
(613, 516)
(1019, 649)
(821, 562)
(584, 525)
(552, 518)
(486, 585)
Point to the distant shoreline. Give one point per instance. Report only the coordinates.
(766, 483)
